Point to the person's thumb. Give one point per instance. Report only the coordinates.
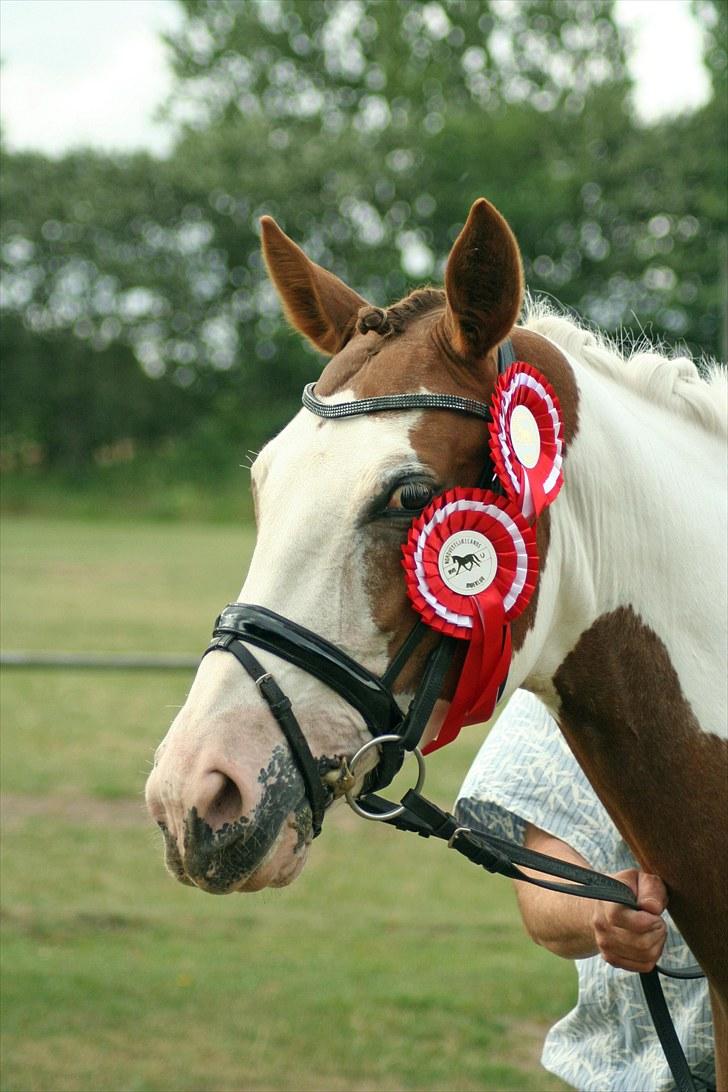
(651, 893)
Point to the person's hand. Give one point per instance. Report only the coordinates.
(632, 939)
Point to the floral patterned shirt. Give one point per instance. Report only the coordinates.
(525, 772)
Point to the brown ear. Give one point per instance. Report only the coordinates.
(483, 283)
(315, 302)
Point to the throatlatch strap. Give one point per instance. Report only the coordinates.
(410, 643)
(506, 355)
(429, 690)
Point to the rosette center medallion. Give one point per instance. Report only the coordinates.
(467, 562)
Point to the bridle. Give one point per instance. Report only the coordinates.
(394, 731)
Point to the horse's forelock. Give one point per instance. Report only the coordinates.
(411, 307)
(395, 319)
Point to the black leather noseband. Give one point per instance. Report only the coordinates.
(280, 706)
(317, 656)
(364, 691)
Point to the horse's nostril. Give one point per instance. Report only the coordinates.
(226, 805)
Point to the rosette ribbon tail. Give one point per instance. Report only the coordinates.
(483, 708)
(535, 480)
(482, 666)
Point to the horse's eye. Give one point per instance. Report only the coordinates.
(410, 497)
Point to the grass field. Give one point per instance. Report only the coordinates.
(389, 965)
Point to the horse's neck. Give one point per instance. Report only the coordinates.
(634, 658)
(642, 529)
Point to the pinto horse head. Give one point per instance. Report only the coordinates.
(333, 500)
(623, 637)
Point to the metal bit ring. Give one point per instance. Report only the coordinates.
(393, 812)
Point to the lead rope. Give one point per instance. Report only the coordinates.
(500, 855)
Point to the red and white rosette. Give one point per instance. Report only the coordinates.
(465, 543)
(471, 565)
(526, 438)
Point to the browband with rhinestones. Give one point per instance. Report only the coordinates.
(393, 402)
(454, 402)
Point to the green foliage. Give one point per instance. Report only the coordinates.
(713, 16)
(138, 312)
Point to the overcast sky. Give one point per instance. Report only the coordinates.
(92, 72)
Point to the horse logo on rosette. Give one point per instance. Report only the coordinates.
(467, 562)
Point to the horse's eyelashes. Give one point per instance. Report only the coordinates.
(411, 496)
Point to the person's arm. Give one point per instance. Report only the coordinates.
(575, 928)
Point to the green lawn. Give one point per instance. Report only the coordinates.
(391, 964)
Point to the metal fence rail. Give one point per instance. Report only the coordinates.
(106, 661)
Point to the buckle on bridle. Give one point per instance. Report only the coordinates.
(453, 836)
(340, 779)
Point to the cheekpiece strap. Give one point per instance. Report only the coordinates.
(280, 706)
(506, 355)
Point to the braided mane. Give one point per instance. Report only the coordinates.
(699, 393)
(674, 382)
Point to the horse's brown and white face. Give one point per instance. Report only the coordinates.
(334, 500)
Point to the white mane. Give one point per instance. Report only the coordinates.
(674, 382)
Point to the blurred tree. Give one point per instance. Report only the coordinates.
(82, 288)
(376, 65)
(366, 127)
(713, 17)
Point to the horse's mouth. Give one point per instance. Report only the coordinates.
(265, 848)
(242, 856)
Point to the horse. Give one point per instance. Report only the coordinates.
(624, 638)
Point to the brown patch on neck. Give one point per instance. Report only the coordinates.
(662, 778)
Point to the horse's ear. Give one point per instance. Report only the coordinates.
(315, 302)
(483, 283)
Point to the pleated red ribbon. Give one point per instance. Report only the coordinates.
(471, 565)
(526, 441)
